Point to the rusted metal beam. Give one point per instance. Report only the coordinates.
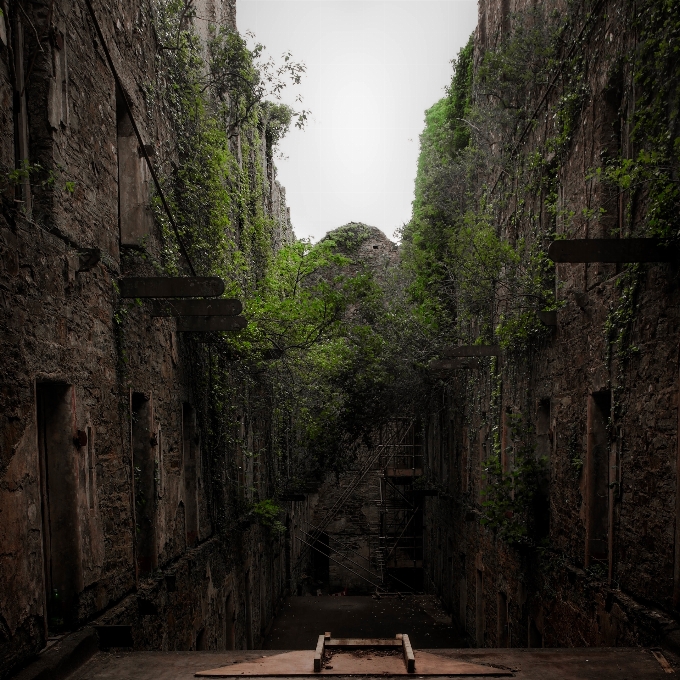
(613, 250)
(170, 286)
(450, 364)
(473, 351)
(206, 324)
(217, 307)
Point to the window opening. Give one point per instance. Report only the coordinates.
(597, 479)
(144, 464)
(134, 217)
(503, 633)
(479, 609)
(91, 481)
(191, 457)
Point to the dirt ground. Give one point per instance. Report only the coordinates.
(301, 620)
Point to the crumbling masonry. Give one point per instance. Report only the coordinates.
(107, 501)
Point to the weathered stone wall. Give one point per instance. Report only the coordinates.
(572, 390)
(134, 542)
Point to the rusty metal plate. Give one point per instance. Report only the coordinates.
(170, 286)
(197, 308)
(450, 364)
(613, 250)
(206, 324)
(473, 351)
(298, 663)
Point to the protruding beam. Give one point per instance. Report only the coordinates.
(450, 364)
(170, 286)
(206, 324)
(613, 250)
(197, 307)
(473, 351)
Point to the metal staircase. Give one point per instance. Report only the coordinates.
(375, 459)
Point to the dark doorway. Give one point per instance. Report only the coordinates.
(597, 479)
(321, 563)
(191, 451)
(59, 468)
(144, 461)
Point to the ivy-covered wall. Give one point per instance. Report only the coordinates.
(556, 523)
(171, 448)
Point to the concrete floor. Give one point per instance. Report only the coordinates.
(302, 619)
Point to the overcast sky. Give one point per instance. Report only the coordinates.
(373, 67)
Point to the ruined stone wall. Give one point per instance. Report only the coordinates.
(100, 411)
(584, 406)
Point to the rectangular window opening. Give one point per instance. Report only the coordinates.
(191, 445)
(597, 479)
(144, 465)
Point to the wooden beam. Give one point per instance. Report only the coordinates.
(613, 250)
(170, 286)
(197, 307)
(473, 351)
(363, 643)
(450, 364)
(206, 324)
(318, 654)
(409, 659)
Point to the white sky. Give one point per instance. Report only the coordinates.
(373, 67)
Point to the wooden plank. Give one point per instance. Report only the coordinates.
(409, 659)
(548, 318)
(318, 654)
(662, 661)
(170, 286)
(206, 324)
(451, 364)
(473, 351)
(613, 250)
(362, 643)
(197, 307)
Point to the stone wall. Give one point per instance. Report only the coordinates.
(107, 499)
(603, 568)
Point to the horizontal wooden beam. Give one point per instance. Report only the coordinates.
(363, 643)
(617, 250)
(473, 351)
(197, 307)
(170, 286)
(206, 324)
(451, 364)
